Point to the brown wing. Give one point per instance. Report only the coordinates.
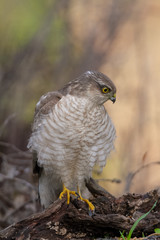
(43, 107)
(47, 102)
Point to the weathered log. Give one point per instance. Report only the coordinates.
(62, 221)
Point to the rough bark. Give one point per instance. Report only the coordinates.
(62, 221)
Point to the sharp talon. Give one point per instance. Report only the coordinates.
(78, 194)
(91, 213)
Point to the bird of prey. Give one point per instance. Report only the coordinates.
(72, 132)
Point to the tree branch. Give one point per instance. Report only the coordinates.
(62, 221)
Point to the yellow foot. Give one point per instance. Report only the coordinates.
(68, 192)
(91, 206)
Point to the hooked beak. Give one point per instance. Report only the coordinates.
(113, 98)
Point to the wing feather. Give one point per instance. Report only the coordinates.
(46, 103)
(44, 106)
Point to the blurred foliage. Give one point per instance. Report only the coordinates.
(37, 45)
(19, 20)
(32, 33)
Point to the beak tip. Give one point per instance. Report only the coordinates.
(113, 99)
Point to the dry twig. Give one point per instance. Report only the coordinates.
(131, 175)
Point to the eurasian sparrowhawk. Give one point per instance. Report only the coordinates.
(71, 133)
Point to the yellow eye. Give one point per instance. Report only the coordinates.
(105, 90)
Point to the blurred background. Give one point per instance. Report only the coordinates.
(44, 44)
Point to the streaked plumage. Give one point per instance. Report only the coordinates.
(71, 133)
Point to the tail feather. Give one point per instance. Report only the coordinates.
(50, 187)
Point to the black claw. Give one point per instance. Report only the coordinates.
(91, 213)
(77, 194)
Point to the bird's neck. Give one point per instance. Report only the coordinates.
(92, 106)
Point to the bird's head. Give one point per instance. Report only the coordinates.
(100, 87)
(96, 86)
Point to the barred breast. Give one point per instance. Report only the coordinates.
(72, 138)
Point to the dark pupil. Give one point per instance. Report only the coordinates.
(105, 89)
